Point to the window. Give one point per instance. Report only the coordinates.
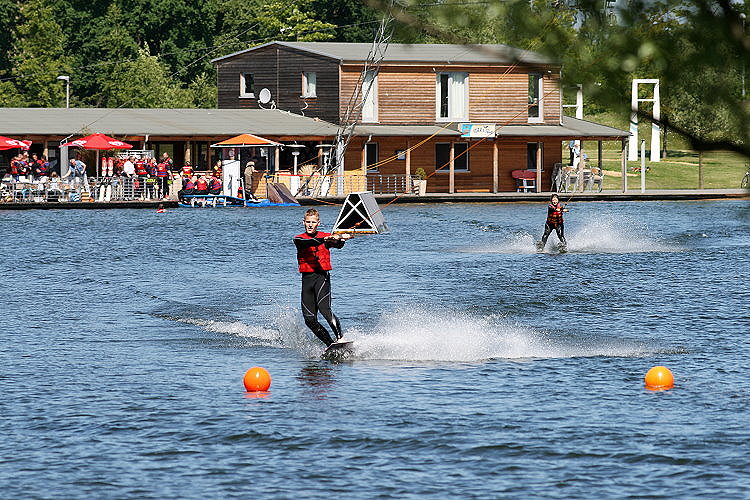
(443, 156)
(247, 85)
(535, 102)
(369, 97)
(371, 156)
(531, 156)
(309, 81)
(452, 96)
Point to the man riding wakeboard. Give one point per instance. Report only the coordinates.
(315, 263)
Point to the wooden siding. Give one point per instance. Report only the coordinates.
(512, 156)
(498, 97)
(552, 105)
(279, 69)
(407, 94)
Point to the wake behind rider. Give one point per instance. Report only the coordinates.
(315, 263)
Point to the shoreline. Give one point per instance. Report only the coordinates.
(507, 197)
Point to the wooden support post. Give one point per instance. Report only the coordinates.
(407, 180)
(363, 159)
(538, 167)
(187, 152)
(276, 154)
(208, 156)
(495, 166)
(408, 159)
(599, 161)
(624, 164)
(452, 169)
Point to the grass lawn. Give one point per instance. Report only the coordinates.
(679, 170)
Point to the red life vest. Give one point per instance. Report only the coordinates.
(215, 183)
(554, 214)
(190, 185)
(201, 184)
(14, 165)
(187, 170)
(140, 169)
(314, 258)
(161, 170)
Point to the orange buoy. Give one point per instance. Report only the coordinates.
(257, 379)
(659, 378)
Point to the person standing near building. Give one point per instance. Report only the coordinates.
(314, 261)
(162, 177)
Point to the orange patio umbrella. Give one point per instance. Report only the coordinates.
(246, 140)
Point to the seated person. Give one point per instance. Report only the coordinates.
(215, 185)
(201, 185)
(188, 188)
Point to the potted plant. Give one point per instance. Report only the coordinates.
(420, 183)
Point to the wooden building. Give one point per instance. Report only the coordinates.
(457, 89)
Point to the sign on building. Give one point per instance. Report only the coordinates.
(477, 130)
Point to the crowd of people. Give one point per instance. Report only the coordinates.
(25, 168)
(131, 177)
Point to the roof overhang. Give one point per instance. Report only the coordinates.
(569, 128)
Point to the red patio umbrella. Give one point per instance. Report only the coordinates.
(99, 142)
(8, 143)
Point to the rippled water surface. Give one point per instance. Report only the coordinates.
(483, 369)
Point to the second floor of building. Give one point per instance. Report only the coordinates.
(412, 84)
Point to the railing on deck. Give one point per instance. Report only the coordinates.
(121, 188)
(84, 189)
(340, 185)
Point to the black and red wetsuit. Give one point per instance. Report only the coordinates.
(314, 261)
(554, 221)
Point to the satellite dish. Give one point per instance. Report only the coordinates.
(264, 97)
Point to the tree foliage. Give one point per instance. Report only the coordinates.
(117, 52)
(697, 48)
(157, 53)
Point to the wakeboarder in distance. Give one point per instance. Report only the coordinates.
(554, 221)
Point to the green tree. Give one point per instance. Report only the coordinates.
(247, 23)
(202, 92)
(695, 47)
(107, 43)
(8, 16)
(143, 83)
(40, 55)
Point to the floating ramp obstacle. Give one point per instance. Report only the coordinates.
(360, 214)
(279, 193)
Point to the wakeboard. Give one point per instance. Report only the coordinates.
(338, 351)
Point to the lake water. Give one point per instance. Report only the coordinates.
(483, 370)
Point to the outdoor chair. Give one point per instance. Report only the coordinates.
(596, 178)
(525, 180)
(557, 176)
(568, 176)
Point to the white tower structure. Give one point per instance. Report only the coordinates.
(656, 112)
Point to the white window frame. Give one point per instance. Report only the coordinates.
(455, 169)
(370, 99)
(309, 84)
(540, 102)
(455, 112)
(243, 85)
